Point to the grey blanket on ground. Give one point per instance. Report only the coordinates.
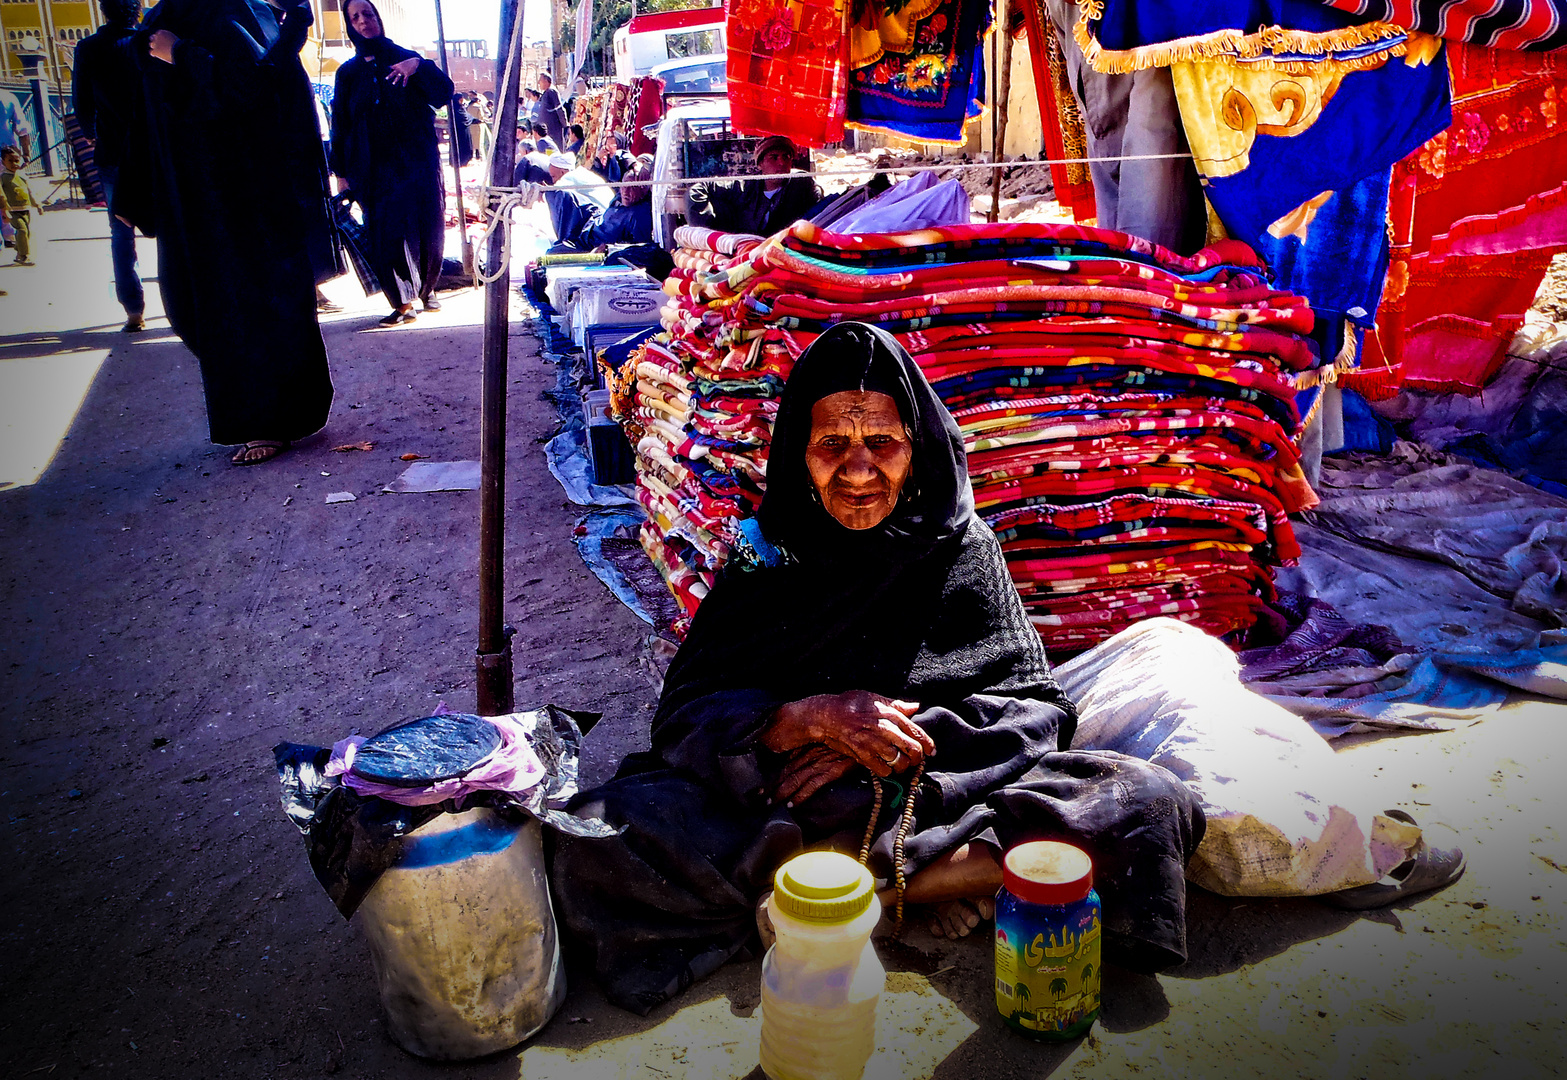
(1504, 535)
(1462, 562)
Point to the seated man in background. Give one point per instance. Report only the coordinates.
(576, 198)
(629, 219)
(612, 162)
(542, 141)
(756, 206)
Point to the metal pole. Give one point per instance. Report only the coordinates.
(452, 112)
(493, 678)
(40, 90)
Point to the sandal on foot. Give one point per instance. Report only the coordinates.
(1435, 862)
(397, 318)
(432, 304)
(257, 451)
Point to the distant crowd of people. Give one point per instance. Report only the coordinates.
(207, 137)
(589, 210)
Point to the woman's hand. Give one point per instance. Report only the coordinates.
(161, 44)
(807, 771)
(874, 731)
(402, 71)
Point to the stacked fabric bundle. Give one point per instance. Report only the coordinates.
(622, 110)
(1129, 413)
(698, 405)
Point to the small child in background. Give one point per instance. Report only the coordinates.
(19, 201)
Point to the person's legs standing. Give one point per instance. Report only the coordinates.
(1160, 199)
(1103, 101)
(122, 248)
(21, 220)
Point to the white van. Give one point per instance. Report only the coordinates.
(653, 38)
(696, 75)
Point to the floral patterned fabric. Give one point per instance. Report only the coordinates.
(920, 72)
(787, 68)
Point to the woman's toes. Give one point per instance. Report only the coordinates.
(954, 919)
(764, 921)
(986, 908)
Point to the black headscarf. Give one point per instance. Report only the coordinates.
(921, 606)
(120, 14)
(382, 49)
(936, 502)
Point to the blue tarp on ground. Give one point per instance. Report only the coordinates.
(592, 530)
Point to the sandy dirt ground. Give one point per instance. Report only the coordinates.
(171, 618)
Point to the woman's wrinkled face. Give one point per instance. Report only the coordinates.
(364, 20)
(859, 456)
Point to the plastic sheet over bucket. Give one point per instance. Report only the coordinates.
(463, 937)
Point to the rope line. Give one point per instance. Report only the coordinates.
(687, 181)
(500, 201)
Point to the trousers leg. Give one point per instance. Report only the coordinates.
(122, 249)
(24, 239)
(1160, 200)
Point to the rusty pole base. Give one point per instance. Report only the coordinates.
(493, 679)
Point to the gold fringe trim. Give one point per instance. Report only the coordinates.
(1237, 44)
(1347, 360)
(984, 110)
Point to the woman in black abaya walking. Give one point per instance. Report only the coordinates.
(384, 148)
(225, 169)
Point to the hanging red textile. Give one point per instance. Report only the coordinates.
(788, 66)
(1476, 215)
(1058, 115)
(645, 108)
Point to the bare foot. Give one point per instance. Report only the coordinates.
(959, 918)
(256, 451)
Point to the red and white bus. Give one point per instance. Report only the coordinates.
(652, 38)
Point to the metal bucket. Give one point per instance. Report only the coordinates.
(463, 937)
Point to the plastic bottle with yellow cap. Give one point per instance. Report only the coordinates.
(822, 980)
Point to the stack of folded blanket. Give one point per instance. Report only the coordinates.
(1129, 412)
(698, 404)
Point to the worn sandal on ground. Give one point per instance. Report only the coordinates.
(1436, 862)
(432, 304)
(257, 451)
(397, 318)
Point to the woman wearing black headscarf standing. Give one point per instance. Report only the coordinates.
(384, 147)
(224, 167)
(868, 634)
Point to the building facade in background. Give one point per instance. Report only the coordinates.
(48, 30)
(45, 31)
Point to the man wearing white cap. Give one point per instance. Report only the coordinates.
(575, 197)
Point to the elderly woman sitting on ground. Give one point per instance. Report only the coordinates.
(863, 675)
